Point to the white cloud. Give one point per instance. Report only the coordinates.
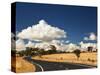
(46, 45)
(67, 41)
(42, 32)
(13, 44)
(58, 42)
(65, 47)
(43, 45)
(12, 35)
(12, 41)
(92, 37)
(20, 45)
(30, 44)
(71, 47)
(84, 46)
(86, 38)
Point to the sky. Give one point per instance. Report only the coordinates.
(78, 23)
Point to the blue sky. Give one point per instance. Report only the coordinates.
(77, 21)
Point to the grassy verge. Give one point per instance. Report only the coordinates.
(19, 65)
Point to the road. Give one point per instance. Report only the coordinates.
(53, 66)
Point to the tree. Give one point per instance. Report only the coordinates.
(28, 51)
(52, 47)
(77, 53)
(21, 53)
(90, 49)
(40, 52)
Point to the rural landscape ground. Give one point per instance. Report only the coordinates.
(53, 62)
(85, 58)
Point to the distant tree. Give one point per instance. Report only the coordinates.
(21, 53)
(77, 53)
(41, 52)
(28, 51)
(52, 50)
(52, 47)
(96, 50)
(90, 49)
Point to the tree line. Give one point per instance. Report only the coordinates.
(39, 52)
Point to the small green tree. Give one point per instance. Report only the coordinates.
(77, 53)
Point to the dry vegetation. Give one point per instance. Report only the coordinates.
(85, 58)
(19, 65)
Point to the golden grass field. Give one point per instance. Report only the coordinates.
(85, 58)
(19, 65)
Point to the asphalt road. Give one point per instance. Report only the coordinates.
(53, 66)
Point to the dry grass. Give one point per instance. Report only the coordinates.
(20, 65)
(85, 58)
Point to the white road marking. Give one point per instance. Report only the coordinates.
(39, 66)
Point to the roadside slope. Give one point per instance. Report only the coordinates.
(20, 65)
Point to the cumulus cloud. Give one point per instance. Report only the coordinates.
(42, 32)
(58, 42)
(30, 44)
(71, 47)
(43, 45)
(20, 45)
(64, 47)
(91, 36)
(86, 38)
(12, 41)
(12, 35)
(60, 46)
(67, 41)
(47, 45)
(84, 46)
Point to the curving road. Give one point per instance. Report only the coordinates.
(52, 66)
